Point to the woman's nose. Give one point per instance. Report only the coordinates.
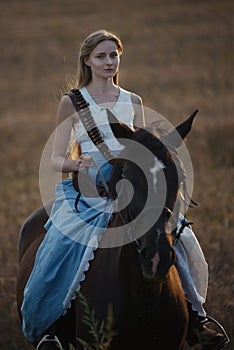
(109, 60)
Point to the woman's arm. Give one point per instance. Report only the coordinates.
(139, 118)
(64, 124)
(65, 120)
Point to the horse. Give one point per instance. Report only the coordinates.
(138, 279)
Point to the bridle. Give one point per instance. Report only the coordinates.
(164, 210)
(131, 227)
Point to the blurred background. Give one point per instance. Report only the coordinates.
(178, 55)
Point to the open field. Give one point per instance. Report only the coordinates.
(178, 55)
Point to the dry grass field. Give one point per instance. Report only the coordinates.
(178, 56)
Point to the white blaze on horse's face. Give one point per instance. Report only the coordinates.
(158, 165)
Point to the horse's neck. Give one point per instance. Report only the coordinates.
(129, 264)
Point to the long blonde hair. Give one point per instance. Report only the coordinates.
(84, 74)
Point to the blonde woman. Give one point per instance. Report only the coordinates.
(66, 246)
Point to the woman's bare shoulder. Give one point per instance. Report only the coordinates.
(136, 99)
(65, 109)
(139, 118)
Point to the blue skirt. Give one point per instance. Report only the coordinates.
(64, 255)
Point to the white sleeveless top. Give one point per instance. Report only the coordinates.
(123, 110)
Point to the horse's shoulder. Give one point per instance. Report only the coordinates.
(174, 284)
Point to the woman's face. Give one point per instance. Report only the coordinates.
(104, 60)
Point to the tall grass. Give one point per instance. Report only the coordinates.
(102, 332)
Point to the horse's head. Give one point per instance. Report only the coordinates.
(146, 178)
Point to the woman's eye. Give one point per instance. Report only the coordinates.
(114, 54)
(101, 56)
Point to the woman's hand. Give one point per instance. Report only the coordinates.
(84, 162)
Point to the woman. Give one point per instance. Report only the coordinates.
(63, 249)
(73, 235)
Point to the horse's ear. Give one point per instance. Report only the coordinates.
(184, 128)
(119, 129)
(181, 131)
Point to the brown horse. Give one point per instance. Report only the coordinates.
(138, 279)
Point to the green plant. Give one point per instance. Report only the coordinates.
(101, 332)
